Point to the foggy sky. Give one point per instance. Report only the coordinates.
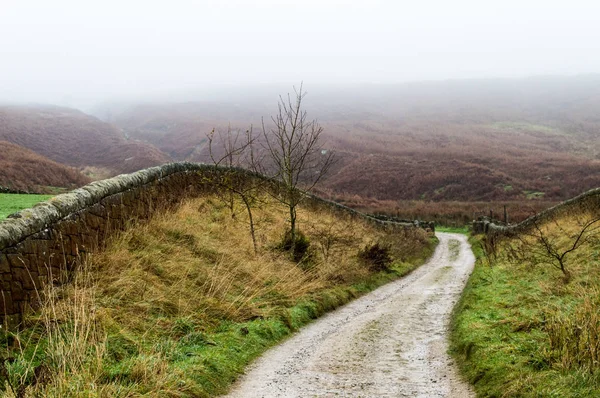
(65, 50)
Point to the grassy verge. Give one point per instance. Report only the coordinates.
(520, 330)
(179, 306)
(12, 202)
(456, 230)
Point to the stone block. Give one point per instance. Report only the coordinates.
(18, 293)
(29, 279)
(71, 202)
(4, 264)
(6, 303)
(6, 282)
(17, 260)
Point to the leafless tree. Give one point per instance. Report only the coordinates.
(331, 235)
(236, 151)
(538, 246)
(294, 150)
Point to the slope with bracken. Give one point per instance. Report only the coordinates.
(24, 170)
(73, 138)
(459, 140)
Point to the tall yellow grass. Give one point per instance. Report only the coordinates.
(195, 266)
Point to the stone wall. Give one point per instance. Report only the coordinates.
(590, 198)
(41, 245)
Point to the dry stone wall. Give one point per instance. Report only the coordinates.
(43, 244)
(590, 198)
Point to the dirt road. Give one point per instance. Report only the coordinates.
(389, 343)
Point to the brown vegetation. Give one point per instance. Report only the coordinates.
(527, 324)
(73, 138)
(444, 212)
(514, 140)
(25, 170)
(178, 306)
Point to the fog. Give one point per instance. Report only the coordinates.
(72, 52)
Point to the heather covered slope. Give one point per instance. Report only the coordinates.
(472, 140)
(73, 138)
(24, 170)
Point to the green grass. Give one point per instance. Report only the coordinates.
(224, 353)
(500, 336)
(455, 230)
(533, 194)
(529, 127)
(53, 190)
(11, 203)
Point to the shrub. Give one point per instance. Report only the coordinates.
(376, 256)
(302, 251)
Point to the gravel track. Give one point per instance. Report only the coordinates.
(389, 343)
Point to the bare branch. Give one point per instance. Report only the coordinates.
(296, 157)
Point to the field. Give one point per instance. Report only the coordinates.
(11, 203)
(524, 328)
(178, 306)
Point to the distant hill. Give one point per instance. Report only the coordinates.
(180, 129)
(25, 170)
(74, 138)
(470, 140)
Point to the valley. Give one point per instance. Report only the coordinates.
(526, 143)
(299, 199)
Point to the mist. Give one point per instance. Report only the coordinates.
(73, 52)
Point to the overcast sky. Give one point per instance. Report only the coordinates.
(57, 50)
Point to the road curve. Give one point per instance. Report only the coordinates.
(389, 343)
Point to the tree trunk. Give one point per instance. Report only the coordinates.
(293, 230)
(252, 232)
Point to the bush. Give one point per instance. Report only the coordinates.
(301, 249)
(376, 256)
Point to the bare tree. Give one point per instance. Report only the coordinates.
(540, 246)
(237, 150)
(330, 235)
(295, 153)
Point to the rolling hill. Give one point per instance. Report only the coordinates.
(24, 170)
(472, 140)
(74, 138)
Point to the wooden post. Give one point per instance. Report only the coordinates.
(505, 216)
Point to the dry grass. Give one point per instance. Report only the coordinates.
(178, 306)
(172, 256)
(575, 336)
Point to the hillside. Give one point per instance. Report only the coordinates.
(478, 140)
(25, 170)
(178, 306)
(180, 129)
(528, 323)
(73, 138)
